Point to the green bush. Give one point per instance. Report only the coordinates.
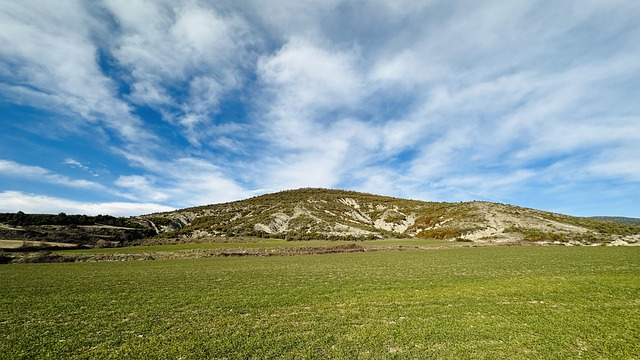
(441, 233)
(533, 235)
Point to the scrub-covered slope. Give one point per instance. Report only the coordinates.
(338, 214)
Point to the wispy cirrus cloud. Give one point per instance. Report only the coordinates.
(197, 101)
(487, 98)
(78, 165)
(35, 173)
(50, 61)
(182, 60)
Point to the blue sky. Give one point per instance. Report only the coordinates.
(127, 107)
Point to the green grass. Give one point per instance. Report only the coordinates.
(493, 303)
(255, 243)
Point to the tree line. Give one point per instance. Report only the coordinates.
(22, 219)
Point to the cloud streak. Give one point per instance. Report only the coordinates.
(35, 173)
(14, 201)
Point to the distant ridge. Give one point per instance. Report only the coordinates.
(619, 220)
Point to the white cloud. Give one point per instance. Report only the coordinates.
(304, 75)
(303, 82)
(78, 165)
(180, 43)
(141, 187)
(288, 17)
(39, 174)
(50, 61)
(195, 181)
(182, 182)
(321, 155)
(491, 185)
(489, 99)
(14, 201)
(616, 163)
(73, 163)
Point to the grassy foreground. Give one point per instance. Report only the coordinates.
(499, 302)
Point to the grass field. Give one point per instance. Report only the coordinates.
(493, 302)
(253, 243)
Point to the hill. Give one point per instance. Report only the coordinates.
(319, 214)
(619, 220)
(338, 214)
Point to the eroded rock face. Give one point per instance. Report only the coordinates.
(389, 221)
(279, 224)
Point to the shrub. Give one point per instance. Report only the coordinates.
(441, 233)
(532, 235)
(5, 258)
(47, 256)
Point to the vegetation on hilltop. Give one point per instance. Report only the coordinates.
(618, 219)
(22, 219)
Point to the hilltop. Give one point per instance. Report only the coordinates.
(310, 213)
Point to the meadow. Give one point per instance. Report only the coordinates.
(489, 302)
(261, 243)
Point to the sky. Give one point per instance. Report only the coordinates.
(128, 107)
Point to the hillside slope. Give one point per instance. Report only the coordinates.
(338, 214)
(619, 220)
